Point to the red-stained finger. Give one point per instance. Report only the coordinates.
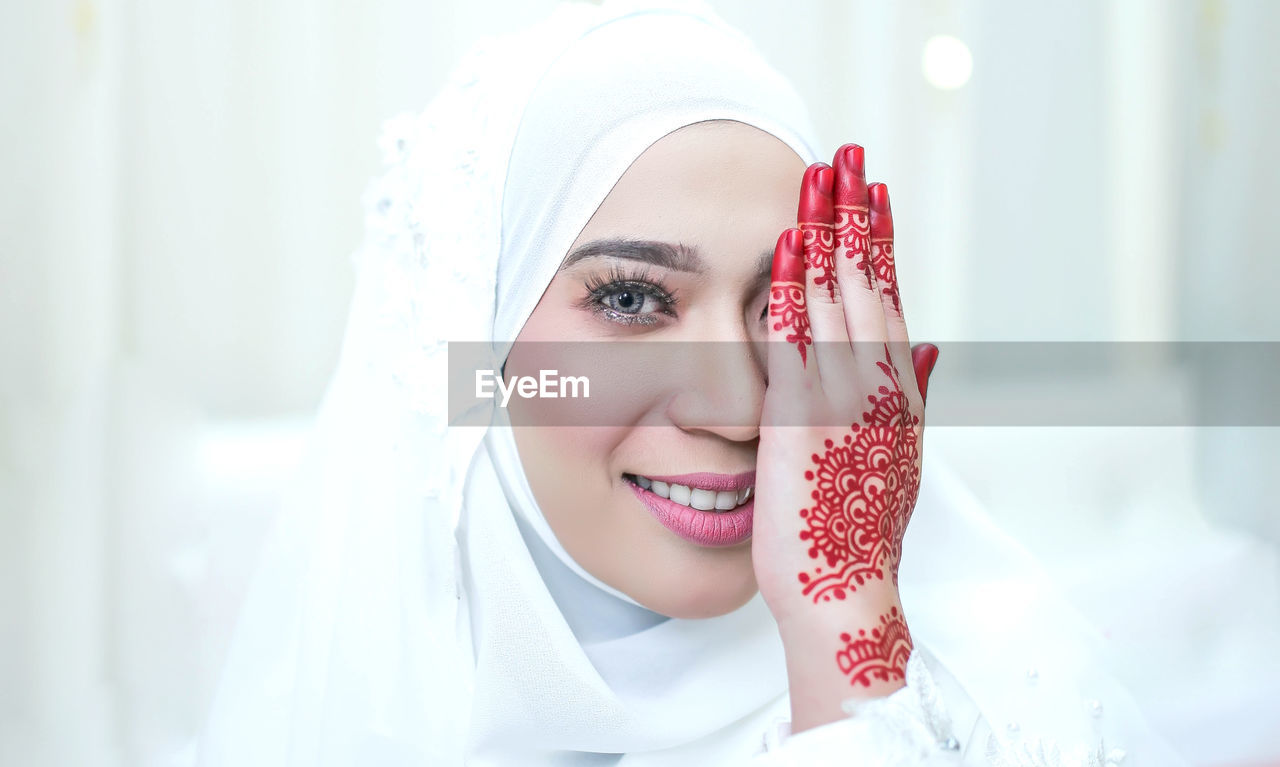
(790, 341)
(816, 219)
(864, 316)
(886, 287)
(882, 257)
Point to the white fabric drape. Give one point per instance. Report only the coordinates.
(581, 91)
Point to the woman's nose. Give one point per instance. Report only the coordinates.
(720, 387)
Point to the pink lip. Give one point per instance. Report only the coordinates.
(709, 481)
(705, 528)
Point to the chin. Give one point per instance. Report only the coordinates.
(699, 592)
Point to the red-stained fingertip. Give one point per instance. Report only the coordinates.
(788, 257)
(851, 176)
(816, 195)
(881, 215)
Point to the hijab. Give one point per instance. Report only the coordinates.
(414, 606)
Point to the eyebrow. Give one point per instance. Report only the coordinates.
(674, 256)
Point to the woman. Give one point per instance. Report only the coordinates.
(702, 570)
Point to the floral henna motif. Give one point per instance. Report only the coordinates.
(865, 488)
(853, 233)
(787, 304)
(882, 655)
(882, 260)
(819, 254)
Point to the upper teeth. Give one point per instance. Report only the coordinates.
(695, 497)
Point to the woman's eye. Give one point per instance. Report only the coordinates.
(631, 301)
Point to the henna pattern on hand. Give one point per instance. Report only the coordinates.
(865, 490)
(883, 655)
(814, 216)
(882, 260)
(787, 304)
(853, 233)
(882, 244)
(819, 253)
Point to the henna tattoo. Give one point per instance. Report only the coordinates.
(852, 208)
(853, 234)
(819, 253)
(787, 304)
(881, 655)
(787, 301)
(882, 260)
(815, 216)
(882, 244)
(865, 489)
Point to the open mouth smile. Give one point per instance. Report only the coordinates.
(704, 508)
(704, 494)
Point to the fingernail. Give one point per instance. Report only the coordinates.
(882, 216)
(788, 260)
(816, 203)
(924, 357)
(851, 176)
(879, 197)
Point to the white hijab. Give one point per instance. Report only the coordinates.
(414, 606)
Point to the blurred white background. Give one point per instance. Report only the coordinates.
(180, 194)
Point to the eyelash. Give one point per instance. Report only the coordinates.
(599, 287)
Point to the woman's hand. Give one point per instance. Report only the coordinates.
(838, 468)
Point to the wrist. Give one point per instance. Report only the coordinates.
(803, 624)
(855, 649)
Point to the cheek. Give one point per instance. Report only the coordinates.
(570, 475)
(566, 462)
(575, 449)
(574, 446)
(587, 385)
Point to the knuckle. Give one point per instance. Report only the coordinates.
(826, 296)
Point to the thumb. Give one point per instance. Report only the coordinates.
(923, 356)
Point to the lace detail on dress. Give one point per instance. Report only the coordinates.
(910, 728)
(915, 714)
(1044, 752)
(913, 728)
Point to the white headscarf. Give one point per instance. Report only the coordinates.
(414, 606)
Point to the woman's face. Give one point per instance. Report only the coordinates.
(715, 195)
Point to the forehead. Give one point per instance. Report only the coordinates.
(716, 185)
